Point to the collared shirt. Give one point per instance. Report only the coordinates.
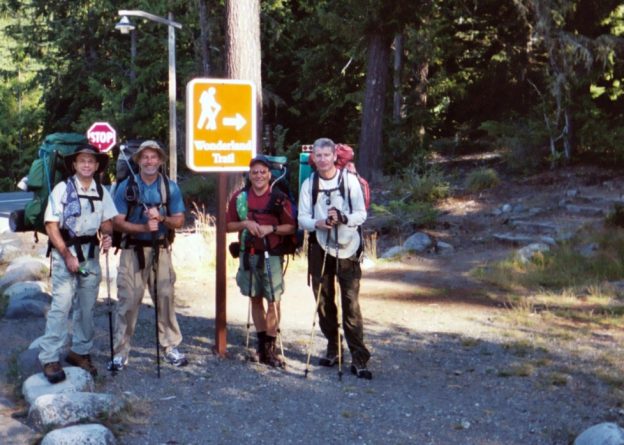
(150, 196)
(89, 221)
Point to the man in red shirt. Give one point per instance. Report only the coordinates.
(262, 216)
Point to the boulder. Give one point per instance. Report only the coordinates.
(23, 269)
(88, 434)
(394, 252)
(444, 248)
(418, 242)
(54, 410)
(605, 433)
(78, 380)
(25, 289)
(36, 305)
(527, 253)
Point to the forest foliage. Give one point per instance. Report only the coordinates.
(538, 80)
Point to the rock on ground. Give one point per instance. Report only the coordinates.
(89, 434)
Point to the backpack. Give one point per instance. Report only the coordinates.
(45, 172)
(344, 162)
(132, 195)
(280, 191)
(124, 161)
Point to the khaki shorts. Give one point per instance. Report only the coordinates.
(258, 276)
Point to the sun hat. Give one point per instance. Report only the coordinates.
(152, 145)
(101, 158)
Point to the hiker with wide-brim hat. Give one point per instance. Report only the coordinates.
(101, 158)
(151, 208)
(77, 210)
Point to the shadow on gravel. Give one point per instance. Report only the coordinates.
(428, 388)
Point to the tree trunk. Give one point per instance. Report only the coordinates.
(204, 37)
(371, 134)
(242, 49)
(398, 68)
(421, 91)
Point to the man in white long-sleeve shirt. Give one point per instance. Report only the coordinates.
(331, 205)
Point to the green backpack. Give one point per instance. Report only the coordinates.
(45, 172)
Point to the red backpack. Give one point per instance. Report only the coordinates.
(344, 161)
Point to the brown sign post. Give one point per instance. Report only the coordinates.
(221, 138)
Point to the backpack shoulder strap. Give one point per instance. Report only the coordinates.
(100, 189)
(165, 193)
(315, 190)
(343, 186)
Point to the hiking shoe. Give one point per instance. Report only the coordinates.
(175, 357)
(82, 361)
(53, 372)
(361, 372)
(329, 361)
(270, 356)
(117, 364)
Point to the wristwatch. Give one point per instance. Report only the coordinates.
(274, 228)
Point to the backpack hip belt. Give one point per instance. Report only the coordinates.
(139, 245)
(77, 242)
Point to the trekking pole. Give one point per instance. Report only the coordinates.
(249, 305)
(338, 299)
(113, 368)
(317, 304)
(268, 268)
(155, 253)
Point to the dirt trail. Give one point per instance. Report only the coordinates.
(450, 366)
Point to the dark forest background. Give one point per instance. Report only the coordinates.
(538, 81)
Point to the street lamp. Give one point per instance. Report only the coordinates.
(125, 26)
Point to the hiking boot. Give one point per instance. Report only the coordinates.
(117, 364)
(175, 357)
(329, 360)
(257, 356)
(361, 371)
(270, 355)
(82, 361)
(53, 372)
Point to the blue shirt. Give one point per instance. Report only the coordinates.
(150, 196)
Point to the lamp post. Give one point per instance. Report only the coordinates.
(125, 26)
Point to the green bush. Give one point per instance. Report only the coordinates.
(524, 142)
(414, 184)
(397, 216)
(482, 179)
(199, 189)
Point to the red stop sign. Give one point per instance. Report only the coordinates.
(102, 135)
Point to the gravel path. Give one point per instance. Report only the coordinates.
(439, 377)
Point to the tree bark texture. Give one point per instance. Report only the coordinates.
(242, 48)
(398, 68)
(204, 37)
(371, 134)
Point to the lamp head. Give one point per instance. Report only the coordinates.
(124, 25)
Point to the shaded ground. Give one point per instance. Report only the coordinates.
(450, 365)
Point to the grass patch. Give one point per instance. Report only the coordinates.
(562, 266)
(398, 216)
(517, 370)
(557, 378)
(519, 348)
(482, 179)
